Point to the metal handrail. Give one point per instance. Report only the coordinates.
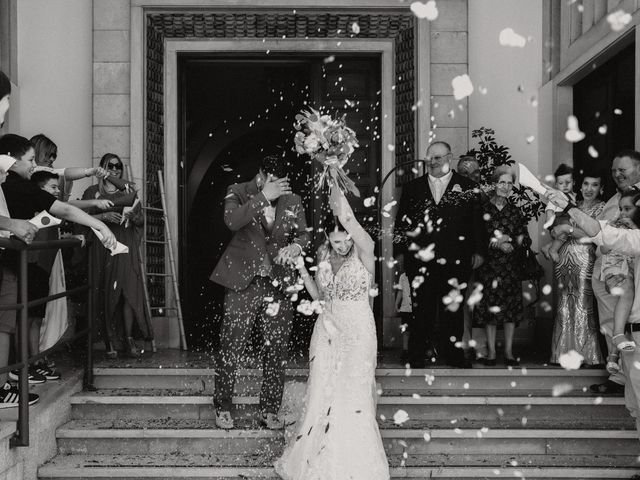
(21, 437)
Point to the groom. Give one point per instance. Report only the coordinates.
(270, 232)
(439, 212)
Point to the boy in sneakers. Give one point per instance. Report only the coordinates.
(25, 231)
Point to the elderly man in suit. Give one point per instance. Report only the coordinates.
(256, 269)
(440, 221)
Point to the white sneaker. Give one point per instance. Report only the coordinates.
(224, 419)
(10, 396)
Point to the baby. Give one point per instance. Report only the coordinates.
(558, 223)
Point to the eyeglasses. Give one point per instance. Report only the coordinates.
(502, 183)
(438, 157)
(114, 166)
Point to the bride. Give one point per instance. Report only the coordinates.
(337, 435)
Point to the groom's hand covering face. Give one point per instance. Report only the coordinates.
(275, 187)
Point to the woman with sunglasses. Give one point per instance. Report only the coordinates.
(119, 277)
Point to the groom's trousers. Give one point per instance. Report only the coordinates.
(241, 308)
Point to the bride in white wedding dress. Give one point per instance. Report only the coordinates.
(337, 434)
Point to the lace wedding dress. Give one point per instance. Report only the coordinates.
(337, 434)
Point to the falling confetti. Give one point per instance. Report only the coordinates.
(509, 38)
(561, 389)
(571, 360)
(593, 152)
(355, 28)
(618, 20)
(427, 10)
(602, 130)
(462, 86)
(400, 417)
(573, 133)
(369, 201)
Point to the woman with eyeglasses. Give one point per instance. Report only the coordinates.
(501, 303)
(120, 288)
(576, 326)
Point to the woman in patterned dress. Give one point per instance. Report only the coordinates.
(501, 303)
(575, 326)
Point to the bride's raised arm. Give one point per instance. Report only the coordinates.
(363, 241)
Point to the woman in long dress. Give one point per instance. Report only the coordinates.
(575, 326)
(337, 434)
(119, 283)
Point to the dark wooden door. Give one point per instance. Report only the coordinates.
(604, 103)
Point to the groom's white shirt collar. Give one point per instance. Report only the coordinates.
(439, 184)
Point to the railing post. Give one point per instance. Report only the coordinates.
(21, 438)
(88, 378)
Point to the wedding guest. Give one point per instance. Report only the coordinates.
(625, 171)
(24, 201)
(626, 242)
(555, 219)
(403, 307)
(575, 325)
(500, 276)
(618, 274)
(119, 281)
(441, 213)
(25, 231)
(46, 154)
(469, 167)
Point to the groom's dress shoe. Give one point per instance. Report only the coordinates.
(224, 420)
(271, 421)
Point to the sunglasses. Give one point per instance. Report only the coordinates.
(114, 166)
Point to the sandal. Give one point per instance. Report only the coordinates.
(624, 345)
(612, 364)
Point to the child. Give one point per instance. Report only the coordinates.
(403, 307)
(618, 275)
(47, 181)
(559, 224)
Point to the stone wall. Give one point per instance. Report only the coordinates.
(111, 78)
(449, 58)
(52, 411)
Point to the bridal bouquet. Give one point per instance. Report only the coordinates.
(329, 142)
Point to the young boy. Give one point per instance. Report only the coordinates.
(403, 307)
(47, 181)
(557, 223)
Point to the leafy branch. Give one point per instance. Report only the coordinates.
(490, 155)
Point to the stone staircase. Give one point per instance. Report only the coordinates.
(157, 423)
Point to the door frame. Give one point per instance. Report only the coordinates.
(383, 47)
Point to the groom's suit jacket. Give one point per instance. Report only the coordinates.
(458, 229)
(251, 241)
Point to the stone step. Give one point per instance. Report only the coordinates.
(203, 379)
(184, 404)
(189, 466)
(76, 438)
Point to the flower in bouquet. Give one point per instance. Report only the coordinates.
(328, 141)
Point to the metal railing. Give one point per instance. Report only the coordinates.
(21, 437)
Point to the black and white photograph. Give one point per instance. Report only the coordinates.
(336, 240)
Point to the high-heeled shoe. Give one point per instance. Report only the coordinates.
(132, 349)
